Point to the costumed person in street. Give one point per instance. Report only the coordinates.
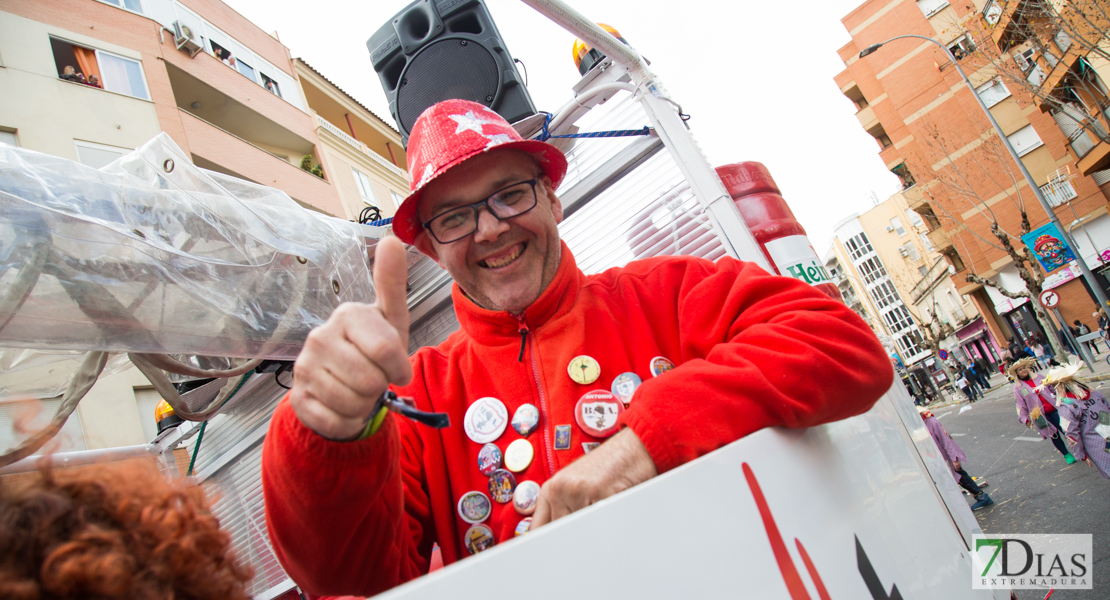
(1103, 325)
(356, 497)
(1087, 414)
(954, 455)
(1035, 406)
(113, 531)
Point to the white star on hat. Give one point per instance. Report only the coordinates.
(497, 139)
(471, 122)
(429, 170)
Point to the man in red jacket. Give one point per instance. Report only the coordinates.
(696, 355)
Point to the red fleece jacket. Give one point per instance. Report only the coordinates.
(753, 350)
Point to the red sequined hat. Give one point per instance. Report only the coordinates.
(452, 131)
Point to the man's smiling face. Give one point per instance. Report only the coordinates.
(504, 265)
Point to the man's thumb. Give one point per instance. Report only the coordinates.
(390, 274)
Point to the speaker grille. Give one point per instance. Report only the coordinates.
(446, 69)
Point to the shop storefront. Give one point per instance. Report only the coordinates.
(977, 344)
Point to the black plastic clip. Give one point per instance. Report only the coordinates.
(405, 407)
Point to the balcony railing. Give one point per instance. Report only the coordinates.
(363, 148)
(238, 156)
(939, 271)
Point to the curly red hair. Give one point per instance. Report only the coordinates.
(116, 530)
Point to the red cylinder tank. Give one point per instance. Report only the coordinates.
(780, 235)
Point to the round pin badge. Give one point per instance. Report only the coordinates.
(584, 369)
(489, 459)
(519, 455)
(523, 526)
(525, 419)
(485, 420)
(478, 538)
(474, 507)
(597, 412)
(525, 497)
(660, 365)
(502, 484)
(624, 385)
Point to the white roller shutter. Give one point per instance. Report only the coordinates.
(147, 400)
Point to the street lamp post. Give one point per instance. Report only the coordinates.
(1066, 234)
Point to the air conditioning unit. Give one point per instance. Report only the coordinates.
(889, 228)
(904, 252)
(184, 39)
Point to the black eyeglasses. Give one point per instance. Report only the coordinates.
(508, 202)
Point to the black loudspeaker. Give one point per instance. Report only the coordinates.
(436, 50)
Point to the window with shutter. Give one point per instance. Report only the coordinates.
(22, 419)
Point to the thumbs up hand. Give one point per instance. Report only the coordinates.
(348, 362)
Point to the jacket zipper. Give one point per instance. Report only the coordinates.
(524, 330)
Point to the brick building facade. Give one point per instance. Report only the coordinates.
(932, 133)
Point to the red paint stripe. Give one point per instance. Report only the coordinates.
(813, 574)
(790, 574)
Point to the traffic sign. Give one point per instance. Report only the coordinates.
(943, 354)
(1049, 299)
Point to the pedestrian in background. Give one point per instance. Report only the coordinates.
(1038, 353)
(966, 388)
(955, 457)
(1103, 324)
(1050, 354)
(982, 372)
(1088, 416)
(1035, 406)
(968, 371)
(1081, 329)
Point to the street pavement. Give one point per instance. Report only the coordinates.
(1034, 490)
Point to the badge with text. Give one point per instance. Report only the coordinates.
(485, 420)
(660, 365)
(624, 385)
(478, 538)
(474, 507)
(584, 369)
(562, 437)
(525, 419)
(525, 497)
(489, 459)
(523, 526)
(502, 484)
(519, 455)
(597, 412)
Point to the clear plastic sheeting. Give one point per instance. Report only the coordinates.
(28, 373)
(152, 254)
(229, 465)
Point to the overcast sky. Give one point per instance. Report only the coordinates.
(757, 78)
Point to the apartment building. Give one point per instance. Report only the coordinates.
(90, 80)
(851, 288)
(930, 132)
(1061, 57)
(362, 154)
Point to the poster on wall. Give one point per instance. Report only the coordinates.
(1048, 245)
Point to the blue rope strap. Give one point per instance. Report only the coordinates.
(380, 223)
(544, 135)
